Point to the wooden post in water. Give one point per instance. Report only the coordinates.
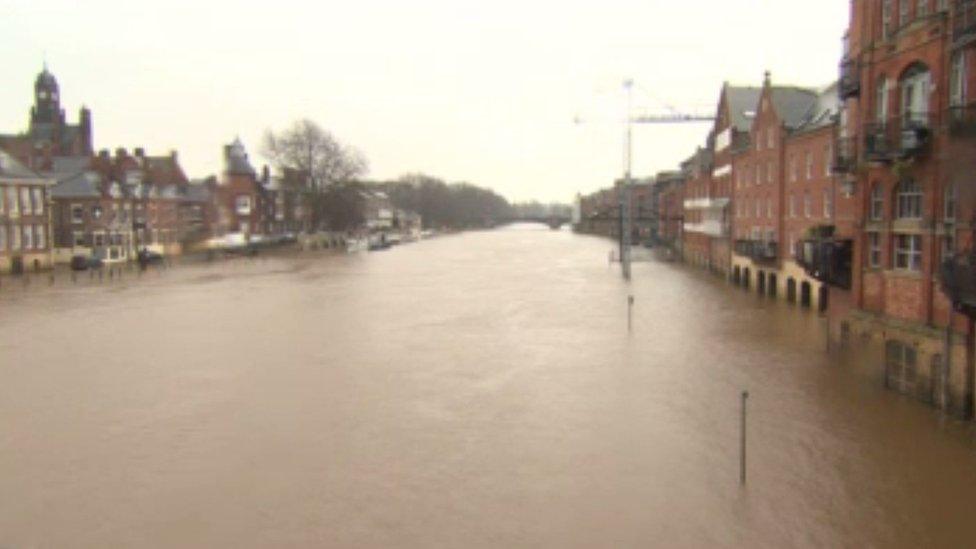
(742, 445)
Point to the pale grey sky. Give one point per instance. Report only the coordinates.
(482, 92)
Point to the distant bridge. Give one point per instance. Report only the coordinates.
(553, 221)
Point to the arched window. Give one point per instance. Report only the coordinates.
(909, 200)
(881, 101)
(915, 86)
(877, 202)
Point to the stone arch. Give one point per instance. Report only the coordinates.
(746, 278)
(772, 284)
(791, 289)
(736, 275)
(823, 298)
(806, 294)
(761, 282)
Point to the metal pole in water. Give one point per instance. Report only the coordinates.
(630, 313)
(742, 446)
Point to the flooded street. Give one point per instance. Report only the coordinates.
(477, 390)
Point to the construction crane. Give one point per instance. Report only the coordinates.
(674, 117)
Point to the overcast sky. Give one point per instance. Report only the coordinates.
(483, 92)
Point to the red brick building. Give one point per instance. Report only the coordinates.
(906, 144)
(240, 199)
(670, 189)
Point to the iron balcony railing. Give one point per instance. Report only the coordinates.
(964, 21)
(962, 120)
(958, 276)
(845, 155)
(902, 137)
(826, 259)
(760, 251)
(850, 79)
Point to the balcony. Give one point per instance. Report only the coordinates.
(845, 155)
(962, 120)
(759, 251)
(850, 79)
(958, 277)
(963, 22)
(903, 137)
(826, 259)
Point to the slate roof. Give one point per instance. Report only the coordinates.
(741, 101)
(823, 111)
(79, 185)
(792, 104)
(11, 168)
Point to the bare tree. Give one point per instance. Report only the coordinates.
(309, 149)
(317, 165)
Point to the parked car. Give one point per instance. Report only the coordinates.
(84, 262)
(148, 257)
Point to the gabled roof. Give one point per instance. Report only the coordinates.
(741, 103)
(79, 185)
(823, 111)
(11, 168)
(792, 104)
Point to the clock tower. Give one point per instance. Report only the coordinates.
(47, 100)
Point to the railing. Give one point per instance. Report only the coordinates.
(903, 137)
(760, 251)
(962, 120)
(827, 260)
(845, 155)
(959, 282)
(850, 79)
(963, 20)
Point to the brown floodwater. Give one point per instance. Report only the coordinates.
(476, 390)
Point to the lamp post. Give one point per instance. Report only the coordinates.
(625, 195)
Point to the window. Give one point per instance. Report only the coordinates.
(828, 204)
(13, 205)
(758, 174)
(243, 205)
(874, 250)
(909, 200)
(915, 88)
(14, 238)
(877, 202)
(881, 101)
(904, 11)
(807, 204)
(96, 211)
(770, 137)
(948, 246)
(900, 363)
(957, 80)
(2, 201)
(792, 168)
(828, 157)
(769, 172)
(809, 165)
(3, 238)
(758, 208)
(27, 240)
(792, 205)
(769, 208)
(949, 203)
(78, 238)
(25, 201)
(922, 8)
(40, 238)
(98, 239)
(77, 213)
(886, 18)
(37, 195)
(908, 252)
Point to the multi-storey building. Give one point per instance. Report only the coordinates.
(708, 193)
(669, 187)
(24, 220)
(240, 197)
(906, 145)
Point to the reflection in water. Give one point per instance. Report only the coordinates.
(478, 390)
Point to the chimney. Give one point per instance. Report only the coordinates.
(265, 174)
(174, 155)
(121, 152)
(103, 153)
(139, 152)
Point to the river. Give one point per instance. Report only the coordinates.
(474, 390)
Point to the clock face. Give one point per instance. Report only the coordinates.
(42, 94)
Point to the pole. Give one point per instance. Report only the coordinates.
(625, 195)
(742, 441)
(630, 313)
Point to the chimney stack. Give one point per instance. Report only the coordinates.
(121, 152)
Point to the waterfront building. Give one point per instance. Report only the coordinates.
(24, 220)
(240, 198)
(906, 150)
(670, 188)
